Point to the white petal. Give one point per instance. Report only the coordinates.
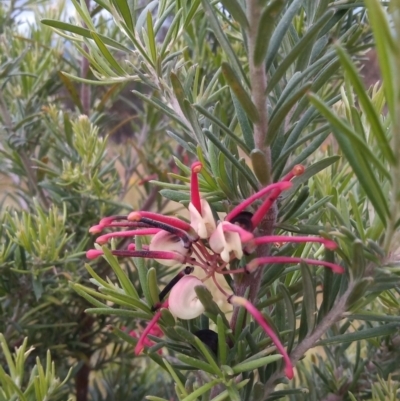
(183, 301)
(204, 223)
(225, 242)
(165, 241)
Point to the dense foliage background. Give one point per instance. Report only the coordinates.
(102, 111)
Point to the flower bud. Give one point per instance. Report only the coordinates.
(183, 301)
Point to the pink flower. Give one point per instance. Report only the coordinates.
(209, 245)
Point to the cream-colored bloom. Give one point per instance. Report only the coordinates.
(183, 301)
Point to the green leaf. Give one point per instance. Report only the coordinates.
(260, 165)
(200, 391)
(255, 364)
(225, 394)
(299, 48)
(191, 13)
(142, 272)
(232, 158)
(194, 122)
(69, 86)
(118, 312)
(265, 29)
(172, 30)
(152, 39)
(107, 55)
(282, 112)
(309, 297)
(196, 363)
(247, 131)
(152, 285)
(359, 159)
(346, 130)
(369, 110)
(384, 43)
(291, 316)
(162, 107)
(363, 334)
(86, 33)
(123, 279)
(178, 89)
(222, 39)
(125, 13)
(222, 344)
(176, 378)
(241, 94)
(237, 12)
(221, 125)
(280, 31)
(82, 291)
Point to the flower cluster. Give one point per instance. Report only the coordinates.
(209, 245)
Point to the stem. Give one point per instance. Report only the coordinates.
(334, 315)
(85, 88)
(82, 376)
(258, 80)
(395, 169)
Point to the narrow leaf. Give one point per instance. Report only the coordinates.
(265, 29)
(366, 103)
(255, 364)
(86, 33)
(222, 39)
(241, 94)
(107, 55)
(237, 12)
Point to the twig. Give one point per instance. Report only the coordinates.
(258, 80)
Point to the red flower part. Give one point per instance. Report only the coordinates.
(289, 259)
(145, 253)
(132, 247)
(262, 211)
(167, 223)
(281, 186)
(151, 326)
(106, 221)
(329, 244)
(94, 253)
(163, 255)
(96, 229)
(259, 318)
(297, 170)
(130, 233)
(194, 186)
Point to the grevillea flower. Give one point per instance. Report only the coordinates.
(209, 245)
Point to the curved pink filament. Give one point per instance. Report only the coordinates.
(289, 259)
(259, 318)
(172, 221)
(300, 239)
(194, 186)
(129, 233)
(247, 202)
(140, 344)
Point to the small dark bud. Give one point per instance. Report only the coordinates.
(243, 219)
(208, 337)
